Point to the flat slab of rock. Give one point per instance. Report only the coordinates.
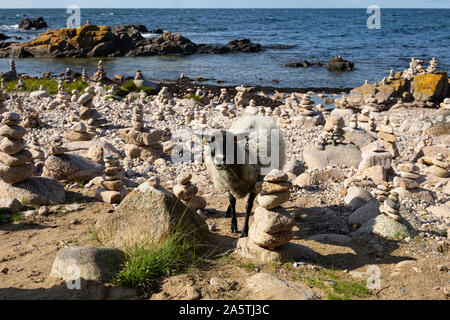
(35, 190)
(342, 154)
(95, 264)
(417, 194)
(264, 286)
(441, 211)
(92, 150)
(387, 227)
(358, 137)
(364, 213)
(146, 215)
(288, 252)
(71, 167)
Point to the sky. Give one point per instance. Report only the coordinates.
(224, 3)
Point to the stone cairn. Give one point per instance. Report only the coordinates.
(84, 76)
(21, 84)
(142, 142)
(439, 166)
(446, 104)
(112, 188)
(382, 192)
(363, 119)
(16, 160)
(164, 97)
(387, 137)
(354, 122)
(78, 132)
(271, 230)
(391, 206)
(37, 154)
(100, 74)
(407, 176)
(242, 97)
(32, 120)
(56, 147)
(375, 163)
(433, 66)
(306, 108)
(2, 84)
(251, 109)
(224, 96)
(416, 66)
(86, 111)
(3, 108)
(187, 192)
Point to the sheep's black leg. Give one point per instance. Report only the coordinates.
(228, 212)
(232, 207)
(248, 210)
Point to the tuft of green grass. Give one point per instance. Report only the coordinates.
(129, 87)
(146, 266)
(33, 84)
(17, 217)
(193, 96)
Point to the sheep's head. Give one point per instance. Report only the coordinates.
(226, 148)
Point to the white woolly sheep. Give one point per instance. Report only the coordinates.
(240, 157)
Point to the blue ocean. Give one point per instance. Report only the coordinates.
(316, 34)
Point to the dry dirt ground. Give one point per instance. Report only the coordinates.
(28, 249)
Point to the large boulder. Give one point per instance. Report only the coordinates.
(92, 150)
(94, 264)
(364, 213)
(146, 216)
(71, 167)
(339, 64)
(342, 154)
(387, 227)
(382, 92)
(357, 197)
(430, 87)
(264, 286)
(35, 190)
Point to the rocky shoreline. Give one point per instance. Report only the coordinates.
(124, 40)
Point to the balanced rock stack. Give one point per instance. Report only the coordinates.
(354, 122)
(307, 115)
(112, 188)
(391, 206)
(408, 174)
(10, 75)
(2, 102)
(2, 84)
(138, 118)
(363, 119)
(251, 109)
(84, 76)
(164, 96)
(86, 110)
(37, 154)
(446, 104)
(224, 96)
(372, 105)
(382, 192)
(242, 97)
(145, 145)
(439, 166)
(387, 136)
(187, 192)
(270, 231)
(21, 84)
(15, 160)
(78, 132)
(433, 66)
(100, 74)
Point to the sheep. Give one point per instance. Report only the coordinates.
(247, 136)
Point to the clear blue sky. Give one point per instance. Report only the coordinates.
(225, 3)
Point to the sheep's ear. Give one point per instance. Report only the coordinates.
(242, 135)
(205, 138)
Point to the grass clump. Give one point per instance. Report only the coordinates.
(193, 96)
(129, 87)
(145, 267)
(33, 84)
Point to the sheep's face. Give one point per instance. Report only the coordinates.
(225, 148)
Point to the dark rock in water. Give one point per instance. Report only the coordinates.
(124, 40)
(157, 31)
(27, 24)
(279, 47)
(339, 64)
(303, 64)
(4, 37)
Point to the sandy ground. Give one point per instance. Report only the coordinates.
(28, 249)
